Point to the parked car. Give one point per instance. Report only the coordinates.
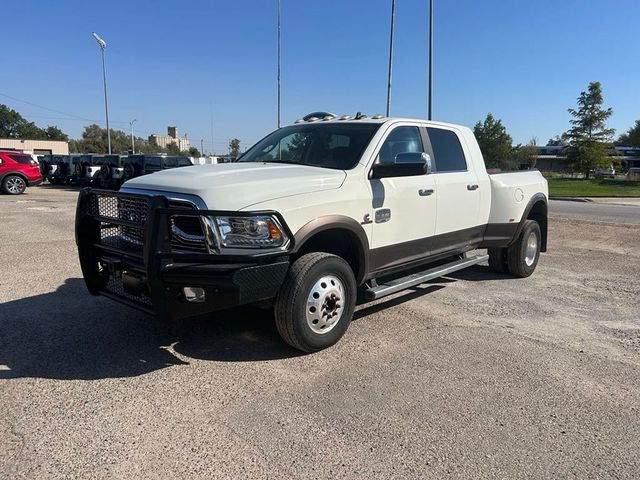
(633, 173)
(92, 172)
(311, 217)
(111, 171)
(58, 168)
(17, 171)
(138, 165)
(79, 164)
(608, 172)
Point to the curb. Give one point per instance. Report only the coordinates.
(572, 199)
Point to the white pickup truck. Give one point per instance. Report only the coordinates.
(312, 217)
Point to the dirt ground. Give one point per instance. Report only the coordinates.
(471, 376)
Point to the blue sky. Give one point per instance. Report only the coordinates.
(184, 63)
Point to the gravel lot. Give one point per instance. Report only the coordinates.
(476, 375)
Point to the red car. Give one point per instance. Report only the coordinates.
(17, 171)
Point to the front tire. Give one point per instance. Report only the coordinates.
(14, 185)
(523, 255)
(316, 301)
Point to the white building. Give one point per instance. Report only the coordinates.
(163, 141)
(38, 147)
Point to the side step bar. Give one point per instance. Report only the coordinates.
(399, 284)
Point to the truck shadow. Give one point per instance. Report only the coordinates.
(478, 273)
(70, 334)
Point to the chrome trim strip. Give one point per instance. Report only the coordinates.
(184, 197)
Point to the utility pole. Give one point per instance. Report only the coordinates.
(133, 142)
(202, 147)
(103, 45)
(279, 56)
(430, 59)
(393, 13)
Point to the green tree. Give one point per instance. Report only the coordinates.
(54, 133)
(495, 143)
(557, 141)
(193, 152)
(94, 140)
(631, 138)
(14, 125)
(173, 148)
(588, 137)
(234, 147)
(526, 154)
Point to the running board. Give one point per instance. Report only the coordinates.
(399, 284)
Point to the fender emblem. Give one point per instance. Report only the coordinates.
(366, 220)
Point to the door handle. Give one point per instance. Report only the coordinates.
(425, 192)
(473, 186)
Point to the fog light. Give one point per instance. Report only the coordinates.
(194, 294)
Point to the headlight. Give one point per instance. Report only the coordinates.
(250, 232)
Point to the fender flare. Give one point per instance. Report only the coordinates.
(337, 222)
(538, 197)
(16, 172)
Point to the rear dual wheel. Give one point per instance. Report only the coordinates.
(520, 258)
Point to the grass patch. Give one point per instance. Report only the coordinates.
(579, 187)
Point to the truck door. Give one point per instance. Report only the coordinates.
(457, 190)
(404, 208)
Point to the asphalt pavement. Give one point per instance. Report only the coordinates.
(476, 375)
(593, 210)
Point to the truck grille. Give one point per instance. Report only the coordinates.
(122, 223)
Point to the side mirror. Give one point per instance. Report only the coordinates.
(405, 164)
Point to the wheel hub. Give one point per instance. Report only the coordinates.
(15, 185)
(325, 304)
(531, 249)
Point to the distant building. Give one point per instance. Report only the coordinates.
(38, 147)
(163, 141)
(554, 158)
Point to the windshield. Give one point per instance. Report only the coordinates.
(327, 145)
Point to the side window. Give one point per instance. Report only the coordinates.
(447, 151)
(400, 140)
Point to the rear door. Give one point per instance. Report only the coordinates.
(457, 190)
(4, 166)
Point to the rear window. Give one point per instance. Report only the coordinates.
(153, 162)
(24, 159)
(447, 150)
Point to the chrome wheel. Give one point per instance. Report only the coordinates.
(531, 249)
(15, 185)
(325, 304)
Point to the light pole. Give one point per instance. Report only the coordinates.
(202, 147)
(103, 45)
(278, 63)
(430, 59)
(393, 13)
(133, 142)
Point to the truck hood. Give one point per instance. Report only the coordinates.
(234, 186)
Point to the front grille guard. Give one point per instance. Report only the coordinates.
(139, 238)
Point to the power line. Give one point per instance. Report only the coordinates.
(214, 141)
(78, 117)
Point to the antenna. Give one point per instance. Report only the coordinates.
(393, 14)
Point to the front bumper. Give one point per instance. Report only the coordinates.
(150, 274)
